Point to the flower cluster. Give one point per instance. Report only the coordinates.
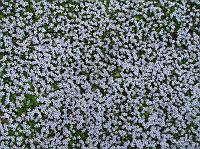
(99, 74)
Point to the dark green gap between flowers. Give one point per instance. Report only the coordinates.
(29, 103)
(77, 133)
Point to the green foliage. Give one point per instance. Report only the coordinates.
(139, 17)
(116, 73)
(29, 102)
(55, 86)
(13, 97)
(31, 86)
(78, 133)
(105, 34)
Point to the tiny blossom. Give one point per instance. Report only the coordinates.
(112, 74)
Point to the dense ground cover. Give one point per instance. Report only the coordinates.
(99, 74)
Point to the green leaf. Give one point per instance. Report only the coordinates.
(116, 72)
(30, 102)
(31, 86)
(55, 86)
(2, 100)
(13, 98)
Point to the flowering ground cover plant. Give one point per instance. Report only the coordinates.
(99, 74)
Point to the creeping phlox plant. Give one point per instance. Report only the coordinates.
(99, 74)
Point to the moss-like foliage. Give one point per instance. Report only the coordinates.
(29, 102)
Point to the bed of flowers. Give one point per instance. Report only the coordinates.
(99, 74)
